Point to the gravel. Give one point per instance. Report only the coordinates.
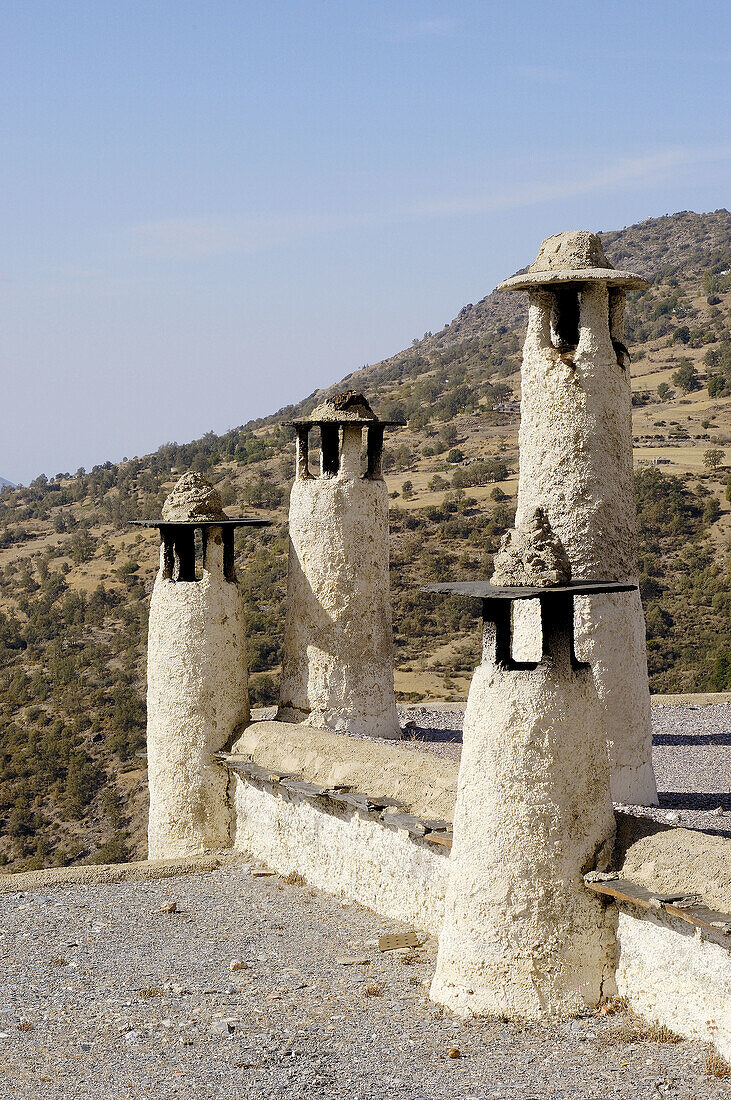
(691, 753)
(104, 995)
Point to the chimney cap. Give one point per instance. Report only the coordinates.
(193, 502)
(192, 497)
(573, 257)
(484, 590)
(348, 407)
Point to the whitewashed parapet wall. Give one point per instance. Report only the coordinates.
(674, 939)
(337, 663)
(576, 465)
(345, 843)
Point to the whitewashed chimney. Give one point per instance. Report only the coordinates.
(337, 665)
(197, 687)
(523, 937)
(576, 464)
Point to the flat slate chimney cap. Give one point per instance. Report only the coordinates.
(484, 590)
(573, 257)
(344, 408)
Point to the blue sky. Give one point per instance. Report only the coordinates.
(209, 209)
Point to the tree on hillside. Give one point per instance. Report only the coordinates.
(448, 435)
(437, 483)
(713, 457)
(482, 472)
(718, 362)
(262, 493)
(664, 392)
(720, 678)
(686, 376)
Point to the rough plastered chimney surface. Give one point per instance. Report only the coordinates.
(576, 464)
(337, 663)
(197, 688)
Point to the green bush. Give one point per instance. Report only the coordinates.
(686, 377)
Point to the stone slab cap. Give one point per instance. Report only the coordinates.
(484, 590)
(573, 257)
(531, 554)
(423, 784)
(193, 502)
(348, 407)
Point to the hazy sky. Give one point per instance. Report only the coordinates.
(210, 208)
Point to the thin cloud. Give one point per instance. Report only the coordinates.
(193, 238)
(435, 27)
(636, 171)
(201, 237)
(204, 237)
(543, 74)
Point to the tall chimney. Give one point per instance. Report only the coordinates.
(337, 665)
(576, 464)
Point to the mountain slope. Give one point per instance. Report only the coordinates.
(75, 578)
(678, 246)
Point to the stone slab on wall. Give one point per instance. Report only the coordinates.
(684, 861)
(424, 782)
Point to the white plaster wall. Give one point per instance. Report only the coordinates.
(350, 856)
(196, 694)
(671, 976)
(576, 464)
(337, 664)
(610, 636)
(522, 936)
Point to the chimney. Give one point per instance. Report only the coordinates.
(337, 665)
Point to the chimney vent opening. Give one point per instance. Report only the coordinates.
(565, 314)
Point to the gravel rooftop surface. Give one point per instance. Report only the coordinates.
(104, 995)
(691, 754)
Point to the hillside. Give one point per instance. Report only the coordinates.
(75, 578)
(4, 481)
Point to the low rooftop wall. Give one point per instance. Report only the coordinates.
(318, 804)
